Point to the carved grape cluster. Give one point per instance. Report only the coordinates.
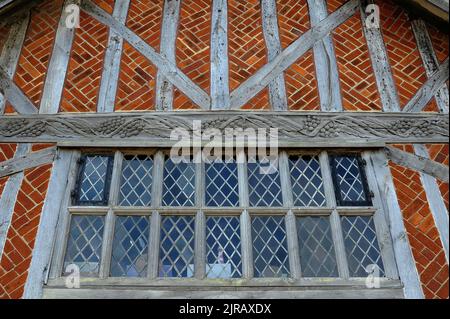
(15, 125)
(312, 122)
(109, 126)
(35, 130)
(212, 124)
(132, 128)
(423, 129)
(329, 130)
(401, 126)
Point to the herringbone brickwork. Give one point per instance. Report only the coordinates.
(422, 232)
(406, 63)
(107, 5)
(439, 153)
(358, 85)
(6, 152)
(193, 47)
(247, 49)
(32, 67)
(21, 235)
(300, 78)
(136, 88)
(137, 79)
(85, 66)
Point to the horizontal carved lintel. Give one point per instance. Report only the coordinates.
(295, 129)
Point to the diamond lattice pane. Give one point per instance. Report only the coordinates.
(223, 242)
(179, 184)
(130, 246)
(307, 182)
(349, 179)
(264, 185)
(361, 245)
(317, 255)
(270, 253)
(94, 179)
(177, 246)
(222, 184)
(136, 187)
(84, 244)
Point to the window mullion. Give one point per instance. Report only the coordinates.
(158, 173)
(116, 179)
(64, 222)
(291, 229)
(153, 247)
(381, 226)
(108, 234)
(245, 220)
(335, 222)
(199, 250)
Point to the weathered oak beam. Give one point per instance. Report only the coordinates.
(57, 68)
(325, 62)
(169, 69)
(14, 95)
(26, 161)
(264, 76)
(418, 163)
(277, 88)
(111, 66)
(305, 129)
(164, 89)
(428, 89)
(430, 61)
(11, 51)
(380, 60)
(220, 87)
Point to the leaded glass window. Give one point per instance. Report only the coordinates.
(306, 180)
(223, 252)
(177, 246)
(179, 183)
(222, 184)
(350, 181)
(84, 245)
(130, 246)
(317, 254)
(136, 186)
(264, 185)
(361, 245)
(94, 180)
(270, 253)
(166, 220)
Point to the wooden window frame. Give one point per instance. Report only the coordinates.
(245, 213)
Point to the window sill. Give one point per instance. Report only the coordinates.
(257, 288)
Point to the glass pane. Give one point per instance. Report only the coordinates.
(349, 179)
(136, 187)
(264, 185)
(270, 253)
(177, 246)
(94, 179)
(84, 245)
(221, 184)
(223, 242)
(179, 184)
(306, 179)
(130, 246)
(361, 244)
(317, 256)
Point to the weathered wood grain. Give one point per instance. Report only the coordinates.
(264, 76)
(111, 64)
(27, 161)
(169, 28)
(169, 69)
(57, 68)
